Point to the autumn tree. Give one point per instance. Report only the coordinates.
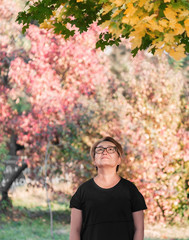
(141, 107)
(40, 85)
(158, 26)
(63, 93)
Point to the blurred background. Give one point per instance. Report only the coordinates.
(57, 98)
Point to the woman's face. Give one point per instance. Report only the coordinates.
(105, 159)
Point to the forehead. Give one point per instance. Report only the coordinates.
(106, 144)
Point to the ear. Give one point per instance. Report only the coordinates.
(119, 160)
(93, 163)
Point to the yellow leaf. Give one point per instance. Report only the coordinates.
(148, 6)
(135, 18)
(54, 13)
(105, 24)
(182, 15)
(130, 10)
(178, 29)
(180, 48)
(178, 52)
(167, 48)
(159, 44)
(147, 18)
(170, 14)
(135, 42)
(169, 38)
(46, 25)
(137, 35)
(172, 23)
(118, 3)
(79, 1)
(125, 20)
(186, 24)
(115, 30)
(139, 31)
(163, 23)
(159, 52)
(116, 13)
(107, 8)
(187, 31)
(141, 13)
(151, 34)
(141, 3)
(152, 24)
(167, 1)
(132, 21)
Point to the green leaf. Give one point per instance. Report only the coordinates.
(100, 44)
(146, 42)
(119, 16)
(61, 29)
(185, 40)
(135, 51)
(127, 30)
(104, 18)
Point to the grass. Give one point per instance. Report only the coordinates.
(29, 218)
(20, 223)
(33, 230)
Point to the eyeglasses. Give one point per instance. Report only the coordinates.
(110, 150)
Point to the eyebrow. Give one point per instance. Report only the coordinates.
(107, 146)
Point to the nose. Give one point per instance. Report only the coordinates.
(105, 151)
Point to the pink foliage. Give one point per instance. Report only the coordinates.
(51, 79)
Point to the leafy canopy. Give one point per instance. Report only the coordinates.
(161, 25)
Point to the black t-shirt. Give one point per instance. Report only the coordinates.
(107, 213)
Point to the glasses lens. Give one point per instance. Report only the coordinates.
(99, 150)
(111, 149)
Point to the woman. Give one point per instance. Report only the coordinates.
(107, 207)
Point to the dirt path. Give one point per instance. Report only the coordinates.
(166, 232)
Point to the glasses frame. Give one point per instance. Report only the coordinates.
(106, 148)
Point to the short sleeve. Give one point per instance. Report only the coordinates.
(75, 201)
(137, 200)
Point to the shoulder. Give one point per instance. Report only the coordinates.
(85, 184)
(82, 188)
(129, 184)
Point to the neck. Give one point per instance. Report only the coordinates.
(107, 174)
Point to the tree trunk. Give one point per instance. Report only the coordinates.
(5, 201)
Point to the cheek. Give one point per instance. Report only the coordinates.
(116, 158)
(96, 157)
